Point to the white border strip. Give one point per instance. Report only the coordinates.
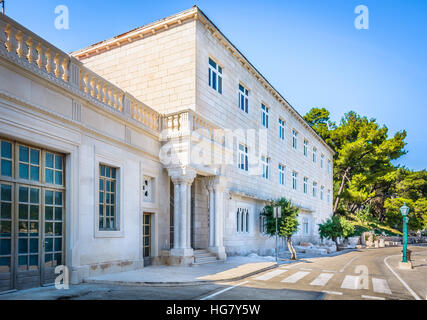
(399, 278)
(224, 290)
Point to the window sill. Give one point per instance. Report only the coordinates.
(109, 234)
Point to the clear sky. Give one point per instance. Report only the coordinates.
(309, 50)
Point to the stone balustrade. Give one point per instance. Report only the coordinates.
(21, 46)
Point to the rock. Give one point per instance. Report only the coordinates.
(306, 244)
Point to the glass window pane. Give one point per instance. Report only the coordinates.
(23, 154)
(22, 261)
(23, 246)
(34, 229)
(103, 171)
(101, 184)
(48, 197)
(58, 178)
(49, 160)
(23, 228)
(34, 212)
(23, 194)
(113, 173)
(58, 229)
(23, 171)
(34, 262)
(6, 192)
(58, 162)
(5, 229)
(58, 244)
(101, 197)
(48, 260)
(48, 213)
(5, 247)
(49, 228)
(6, 168)
(107, 171)
(34, 196)
(23, 211)
(34, 173)
(6, 149)
(58, 259)
(58, 198)
(49, 244)
(35, 157)
(58, 214)
(49, 176)
(6, 211)
(4, 265)
(34, 245)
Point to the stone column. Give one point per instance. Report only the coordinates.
(211, 216)
(219, 186)
(182, 179)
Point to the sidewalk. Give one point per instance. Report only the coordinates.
(416, 278)
(235, 268)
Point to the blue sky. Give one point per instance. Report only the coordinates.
(309, 50)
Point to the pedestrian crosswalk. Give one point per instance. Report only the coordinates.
(349, 282)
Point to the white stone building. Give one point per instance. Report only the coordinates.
(145, 149)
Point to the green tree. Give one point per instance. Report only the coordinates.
(287, 224)
(336, 227)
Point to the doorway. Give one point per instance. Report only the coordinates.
(147, 238)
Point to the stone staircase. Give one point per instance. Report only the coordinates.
(204, 257)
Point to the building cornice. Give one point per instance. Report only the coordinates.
(176, 20)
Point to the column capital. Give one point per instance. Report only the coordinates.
(182, 175)
(216, 183)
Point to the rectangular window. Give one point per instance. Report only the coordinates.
(29, 163)
(294, 180)
(242, 220)
(329, 196)
(322, 161)
(322, 193)
(305, 185)
(262, 224)
(6, 157)
(107, 198)
(281, 174)
(243, 99)
(215, 76)
(329, 166)
(148, 189)
(294, 139)
(265, 167)
(314, 155)
(264, 113)
(305, 226)
(54, 172)
(243, 157)
(314, 189)
(305, 148)
(281, 129)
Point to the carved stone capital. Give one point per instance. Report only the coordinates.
(182, 175)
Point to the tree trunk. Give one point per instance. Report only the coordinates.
(336, 243)
(337, 200)
(291, 249)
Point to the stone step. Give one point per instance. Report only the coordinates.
(209, 259)
(204, 254)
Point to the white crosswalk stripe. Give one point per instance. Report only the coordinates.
(322, 279)
(350, 282)
(380, 286)
(270, 275)
(295, 277)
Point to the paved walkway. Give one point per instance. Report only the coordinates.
(234, 268)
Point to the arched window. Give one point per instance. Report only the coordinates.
(238, 220)
(247, 220)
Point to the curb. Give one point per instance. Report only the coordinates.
(175, 284)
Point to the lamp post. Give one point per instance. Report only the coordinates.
(404, 210)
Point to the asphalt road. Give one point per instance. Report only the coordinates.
(357, 275)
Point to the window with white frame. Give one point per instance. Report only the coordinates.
(242, 220)
(329, 196)
(148, 189)
(314, 189)
(264, 115)
(294, 180)
(262, 224)
(281, 129)
(305, 185)
(243, 157)
(243, 98)
(306, 148)
(329, 166)
(265, 161)
(107, 198)
(314, 155)
(281, 174)
(322, 161)
(215, 76)
(294, 139)
(322, 193)
(305, 226)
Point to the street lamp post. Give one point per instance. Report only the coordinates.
(404, 210)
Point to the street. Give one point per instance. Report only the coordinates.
(366, 274)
